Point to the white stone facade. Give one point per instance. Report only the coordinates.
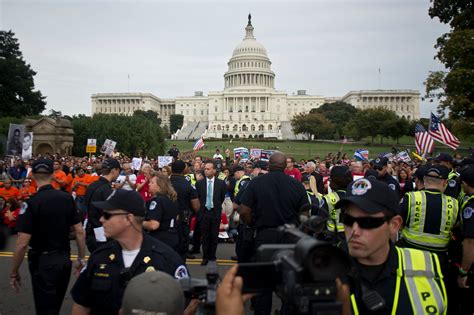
(249, 105)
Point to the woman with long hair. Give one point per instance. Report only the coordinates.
(161, 218)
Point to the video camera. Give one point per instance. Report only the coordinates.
(302, 272)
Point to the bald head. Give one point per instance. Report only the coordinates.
(277, 162)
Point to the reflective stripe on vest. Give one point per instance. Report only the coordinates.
(191, 178)
(417, 216)
(309, 194)
(334, 214)
(237, 184)
(426, 295)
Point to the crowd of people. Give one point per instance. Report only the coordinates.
(387, 214)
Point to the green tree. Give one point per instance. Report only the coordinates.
(17, 89)
(137, 135)
(339, 113)
(313, 124)
(176, 122)
(372, 122)
(454, 88)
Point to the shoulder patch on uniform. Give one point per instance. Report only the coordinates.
(187, 178)
(467, 213)
(152, 205)
(181, 272)
(452, 183)
(23, 207)
(392, 186)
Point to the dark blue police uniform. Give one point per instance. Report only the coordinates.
(101, 284)
(164, 210)
(48, 216)
(186, 192)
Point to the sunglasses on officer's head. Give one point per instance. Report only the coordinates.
(364, 222)
(108, 215)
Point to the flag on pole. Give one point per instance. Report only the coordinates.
(198, 144)
(440, 133)
(361, 155)
(423, 141)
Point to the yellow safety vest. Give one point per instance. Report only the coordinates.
(191, 178)
(236, 188)
(331, 199)
(417, 213)
(222, 176)
(419, 269)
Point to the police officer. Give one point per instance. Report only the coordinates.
(244, 244)
(313, 199)
(467, 262)
(454, 186)
(340, 177)
(188, 203)
(390, 280)
(381, 166)
(44, 224)
(429, 215)
(99, 191)
(269, 201)
(100, 286)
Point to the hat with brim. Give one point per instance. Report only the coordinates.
(127, 200)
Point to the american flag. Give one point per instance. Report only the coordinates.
(423, 141)
(198, 144)
(441, 134)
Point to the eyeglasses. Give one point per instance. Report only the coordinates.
(108, 215)
(367, 223)
(378, 168)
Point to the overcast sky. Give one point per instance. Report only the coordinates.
(173, 48)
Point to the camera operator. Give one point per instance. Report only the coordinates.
(389, 279)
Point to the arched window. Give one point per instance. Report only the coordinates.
(244, 128)
(270, 127)
(261, 128)
(252, 127)
(218, 127)
(235, 128)
(226, 127)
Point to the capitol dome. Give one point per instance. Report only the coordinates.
(249, 65)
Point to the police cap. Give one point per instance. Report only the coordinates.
(437, 171)
(127, 200)
(444, 157)
(420, 172)
(110, 164)
(261, 165)
(340, 171)
(238, 168)
(153, 292)
(467, 175)
(380, 162)
(43, 166)
(178, 167)
(371, 196)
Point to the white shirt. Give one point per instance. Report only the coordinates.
(129, 256)
(126, 185)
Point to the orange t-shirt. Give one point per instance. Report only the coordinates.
(81, 190)
(61, 176)
(13, 192)
(26, 193)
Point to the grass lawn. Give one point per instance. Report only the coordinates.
(308, 149)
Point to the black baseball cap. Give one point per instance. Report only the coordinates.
(127, 200)
(110, 164)
(42, 166)
(380, 162)
(467, 175)
(420, 172)
(340, 171)
(444, 157)
(437, 171)
(371, 196)
(238, 168)
(261, 164)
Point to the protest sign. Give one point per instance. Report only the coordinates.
(136, 163)
(91, 146)
(265, 155)
(164, 160)
(108, 147)
(27, 146)
(255, 153)
(242, 153)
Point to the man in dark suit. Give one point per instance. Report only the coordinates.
(211, 192)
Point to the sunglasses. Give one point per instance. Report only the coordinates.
(367, 223)
(108, 215)
(378, 168)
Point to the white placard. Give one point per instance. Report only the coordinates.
(164, 160)
(136, 163)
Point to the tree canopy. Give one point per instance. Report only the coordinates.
(176, 122)
(137, 135)
(17, 89)
(454, 88)
(338, 113)
(313, 124)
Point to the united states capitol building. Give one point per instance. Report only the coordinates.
(249, 106)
